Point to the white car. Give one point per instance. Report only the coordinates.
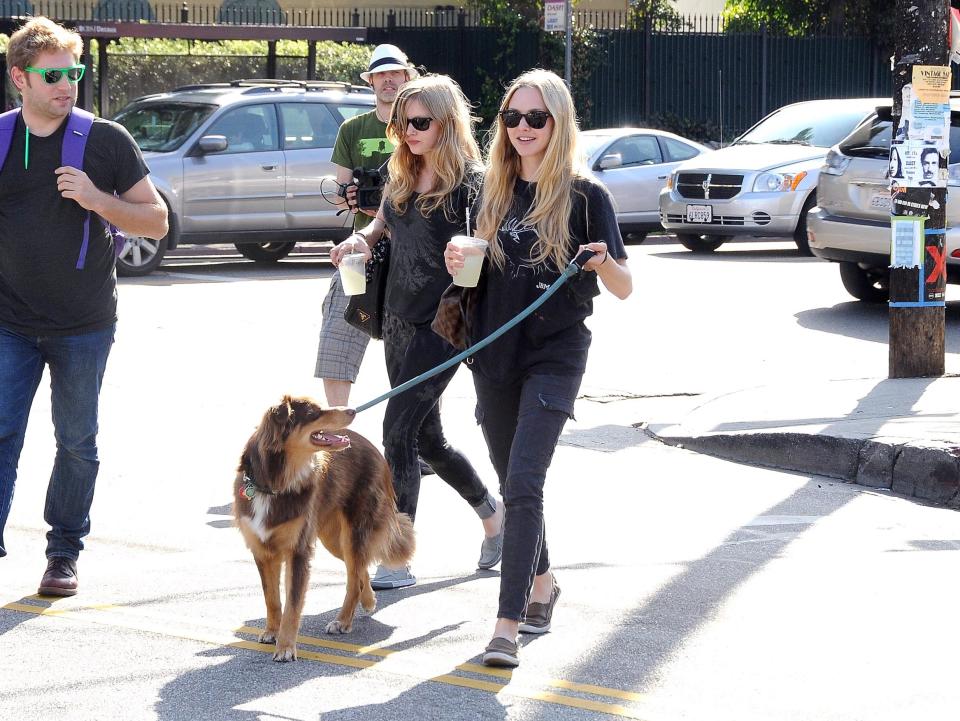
(634, 164)
(762, 184)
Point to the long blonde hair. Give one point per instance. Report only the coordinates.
(455, 155)
(552, 203)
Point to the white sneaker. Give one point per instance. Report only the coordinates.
(387, 578)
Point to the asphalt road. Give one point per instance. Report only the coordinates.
(692, 588)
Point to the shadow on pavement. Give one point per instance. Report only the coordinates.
(648, 638)
(229, 272)
(240, 677)
(426, 701)
(870, 322)
(740, 254)
(660, 627)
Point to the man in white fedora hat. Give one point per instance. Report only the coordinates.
(361, 143)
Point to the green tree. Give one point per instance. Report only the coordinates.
(662, 14)
(871, 18)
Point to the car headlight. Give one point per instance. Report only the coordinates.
(669, 183)
(777, 182)
(835, 163)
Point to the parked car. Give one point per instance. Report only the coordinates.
(851, 223)
(762, 184)
(241, 163)
(634, 164)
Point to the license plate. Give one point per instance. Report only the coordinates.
(880, 200)
(699, 213)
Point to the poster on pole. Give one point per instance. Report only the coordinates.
(555, 15)
(907, 242)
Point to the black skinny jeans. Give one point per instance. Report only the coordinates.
(411, 423)
(522, 425)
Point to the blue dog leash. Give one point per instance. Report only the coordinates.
(575, 266)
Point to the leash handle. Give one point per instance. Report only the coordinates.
(575, 266)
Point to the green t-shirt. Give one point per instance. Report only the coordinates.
(362, 143)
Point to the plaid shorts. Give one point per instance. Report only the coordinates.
(342, 346)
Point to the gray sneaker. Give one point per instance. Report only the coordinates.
(387, 578)
(491, 551)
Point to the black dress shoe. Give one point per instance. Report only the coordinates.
(60, 578)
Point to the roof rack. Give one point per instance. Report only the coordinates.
(267, 85)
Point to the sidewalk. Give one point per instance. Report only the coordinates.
(903, 435)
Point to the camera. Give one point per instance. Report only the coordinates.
(369, 185)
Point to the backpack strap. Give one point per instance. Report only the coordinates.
(74, 144)
(8, 123)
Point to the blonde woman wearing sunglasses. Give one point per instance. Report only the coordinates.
(433, 175)
(540, 209)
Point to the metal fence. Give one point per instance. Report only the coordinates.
(687, 75)
(724, 83)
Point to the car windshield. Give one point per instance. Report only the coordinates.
(805, 125)
(162, 127)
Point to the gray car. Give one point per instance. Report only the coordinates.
(634, 164)
(851, 223)
(242, 163)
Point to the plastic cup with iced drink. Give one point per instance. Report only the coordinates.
(353, 275)
(473, 250)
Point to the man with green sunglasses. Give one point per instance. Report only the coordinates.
(58, 297)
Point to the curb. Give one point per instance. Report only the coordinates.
(927, 472)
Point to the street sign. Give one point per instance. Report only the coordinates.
(555, 15)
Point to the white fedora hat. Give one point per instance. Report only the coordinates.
(388, 57)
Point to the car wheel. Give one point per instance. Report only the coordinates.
(871, 285)
(800, 234)
(140, 256)
(265, 252)
(701, 243)
(635, 238)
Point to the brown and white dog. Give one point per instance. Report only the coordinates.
(298, 481)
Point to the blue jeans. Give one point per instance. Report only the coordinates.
(77, 364)
(521, 425)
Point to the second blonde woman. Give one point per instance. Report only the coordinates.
(433, 176)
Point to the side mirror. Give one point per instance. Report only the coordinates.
(613, 160)
(212, 143)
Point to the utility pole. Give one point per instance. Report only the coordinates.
(918, 170)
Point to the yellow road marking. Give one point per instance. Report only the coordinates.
(118, 616)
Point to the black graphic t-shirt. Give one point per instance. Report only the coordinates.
(418, 276)
(41, 290)
(554, 339)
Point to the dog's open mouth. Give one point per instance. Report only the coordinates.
(329, 440)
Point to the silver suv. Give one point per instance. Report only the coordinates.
(851, 223)
(762, 184)
(241, 163)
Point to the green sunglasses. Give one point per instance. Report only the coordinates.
(51, 76)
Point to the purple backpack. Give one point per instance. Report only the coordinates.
(74, 143)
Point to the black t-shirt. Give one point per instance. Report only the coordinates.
(41, 290)
(554, 339)
(418, 276)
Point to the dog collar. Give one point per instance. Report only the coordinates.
(250, 488)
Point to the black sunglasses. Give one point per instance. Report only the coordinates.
(418, 123)
(536, 119)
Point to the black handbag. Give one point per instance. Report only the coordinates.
(365, 311)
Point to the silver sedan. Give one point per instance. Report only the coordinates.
(634, 164)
